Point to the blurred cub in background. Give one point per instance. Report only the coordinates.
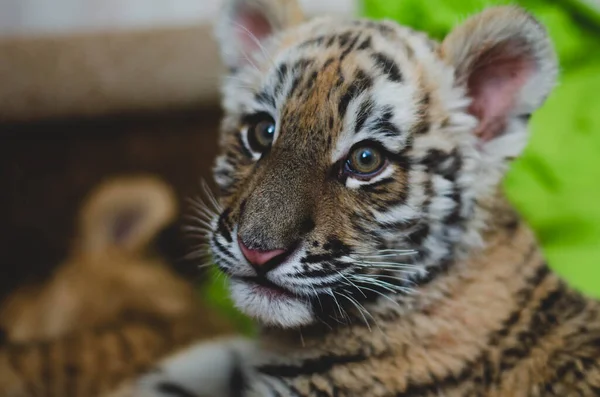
(110, 310)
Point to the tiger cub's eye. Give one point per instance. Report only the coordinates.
(365, 162)
(261, 134)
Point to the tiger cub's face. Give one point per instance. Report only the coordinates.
(355, 152)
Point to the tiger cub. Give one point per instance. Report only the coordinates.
(110, 310)
(363, 224)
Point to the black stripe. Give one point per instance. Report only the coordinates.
(238, 382)
(401, 159)
(437, 384)
(575, 367)
(547, 316)
(455, 217)
(372, 188)
(385, 204)
(317, 258)
(364, 112)
(384, 125)
(316, 273)
(434, 272)
(282, 72)
(523, 296)
(384, 29)
(419, 235)
(423, 124)
(301, 64)
(311, 80)
(446, 164)
(295, 84)
(222, 249)
(344, 38)
(361, 83)
(366, 44)
(349, 48)
(525, 117)
(336, 246)
(314, 41)
(421, 127)
(265, 98)
(171, 389)
(222, 226)
(311, 366)
(387, 66)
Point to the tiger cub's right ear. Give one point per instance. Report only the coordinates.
(245, 25)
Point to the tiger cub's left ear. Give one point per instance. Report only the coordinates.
(506, 62)
(245, 25)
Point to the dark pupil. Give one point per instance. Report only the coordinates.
(267, 131)
(366, 158)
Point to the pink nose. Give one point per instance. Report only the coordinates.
(257, 257)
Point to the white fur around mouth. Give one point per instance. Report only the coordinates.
(270, 307)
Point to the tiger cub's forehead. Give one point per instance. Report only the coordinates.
(343, 81)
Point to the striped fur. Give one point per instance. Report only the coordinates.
(110, 310)
(416, 280)
(94, 362)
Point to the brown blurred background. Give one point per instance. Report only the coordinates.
(101, 89)
(47, 167)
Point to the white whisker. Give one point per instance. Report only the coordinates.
(391, 277)
(389, 265)
(351, 283)
(381, 294)
(199, 222)
(342, 312)
(383, 255)
(253, 37)
(373, 280)
(211, 197)
(362, 310)
(357, 308)
(317, 295)
(389, 251)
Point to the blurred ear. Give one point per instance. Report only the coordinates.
(245, 25)
(504, 59)
(125, 214)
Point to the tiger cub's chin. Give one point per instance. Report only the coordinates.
(269, 306)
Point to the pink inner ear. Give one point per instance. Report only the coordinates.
(495, 82)
(124, 225)
(252, 27)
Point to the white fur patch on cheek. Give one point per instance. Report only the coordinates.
(222, 172)
(352, 183)
(281, 311)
